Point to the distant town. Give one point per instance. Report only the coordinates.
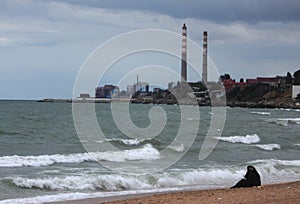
(260, 92)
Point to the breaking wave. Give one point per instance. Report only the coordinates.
(248, 139)
(285, 121)
(288, 109)
(125, 141)
(85, 182)
(177, 148)
(123, 182)
(261, 113)
(267, 164)
(271, 171)
(268, 147)
(122, 141)
(147, 152)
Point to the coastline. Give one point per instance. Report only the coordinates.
(279, 193)
(290, 104)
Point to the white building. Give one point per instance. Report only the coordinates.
(141, 86)
(129, 89)
(171, 85)
(295, 91)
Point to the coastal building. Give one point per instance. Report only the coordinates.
(157, 90)
(272, 81)
(295, 91)
(107, 91)
(171, 85)
(250, 82)
(230, 84)
(84, 95)
(141, 87)
(129, 89)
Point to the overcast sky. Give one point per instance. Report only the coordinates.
(44, 43)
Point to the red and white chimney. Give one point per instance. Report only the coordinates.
(204, 62)
(184, 54)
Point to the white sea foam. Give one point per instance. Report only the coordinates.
(268, 147)
(208, 178)
(248, 139)
(271, 171)
(79, 196)
(51, 198)
(285, 121)
(277, 162)
(122, 182)
(297, 144)
(177, 148)
(147, 152)
(124, 141)
(85, 182)
(287, 109)
(261, 113)
(127, 141)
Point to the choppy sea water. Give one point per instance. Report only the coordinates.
(42, 159)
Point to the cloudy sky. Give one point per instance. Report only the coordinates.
(43, 44)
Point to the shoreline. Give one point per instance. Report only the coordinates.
(241, 104)
(279, 193)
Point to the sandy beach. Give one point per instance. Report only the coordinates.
(282, 193)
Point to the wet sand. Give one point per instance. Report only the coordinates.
(283, 193)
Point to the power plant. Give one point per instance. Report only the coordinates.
(142, 88)
(184, 56)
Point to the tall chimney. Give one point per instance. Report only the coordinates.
(204, 62)
(183, 55)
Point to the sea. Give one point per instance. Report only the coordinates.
(42, 158)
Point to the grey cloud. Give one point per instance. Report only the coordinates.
(251, 11)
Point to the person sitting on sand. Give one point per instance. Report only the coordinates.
(251, 179)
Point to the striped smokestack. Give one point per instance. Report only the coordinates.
(183, 55)
(204, 62)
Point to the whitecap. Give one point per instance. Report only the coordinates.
(85, 182)
(124, 141)
(285, 121)
(276, 162)
(130, 141)
(147, 152)
(261, 113)
(268, 147)
(248, 139)
(177, 148)
(271, 171)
